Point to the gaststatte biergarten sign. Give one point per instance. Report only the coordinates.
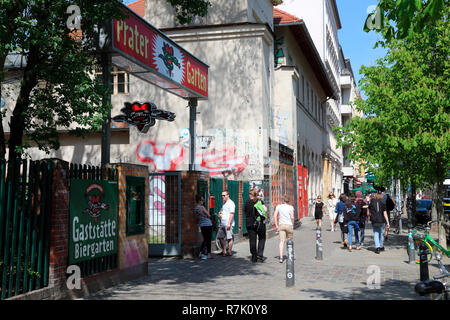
(93, 223)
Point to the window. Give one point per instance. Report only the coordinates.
(120, 81)
(315, 106)
(307, 94)
(295, 87)
(135, 204)
(302, 90)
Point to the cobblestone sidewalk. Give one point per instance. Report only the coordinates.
(340, 275)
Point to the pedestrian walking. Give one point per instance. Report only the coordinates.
(362, 206)
(205, 224)
(256, 227)
(331, 204)
(318, 211)
(388, 202)
(340, 209)
(351, 217)
(379, 219)
(284, 223)
(225, 233)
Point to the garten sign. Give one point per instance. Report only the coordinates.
(93, 223)
(149, 54)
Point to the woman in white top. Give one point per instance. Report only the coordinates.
(285, 224)
(331, 207)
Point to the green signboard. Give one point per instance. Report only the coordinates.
(93, 223)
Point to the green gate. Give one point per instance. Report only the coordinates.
(83, 172)
(215, 190)
(233, 189)
(245, 197)
(25, 198)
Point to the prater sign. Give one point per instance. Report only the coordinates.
(147, 53)
(93, 222)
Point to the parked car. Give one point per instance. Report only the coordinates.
(447, 217)
(423, 211)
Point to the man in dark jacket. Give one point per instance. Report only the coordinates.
(256, 229)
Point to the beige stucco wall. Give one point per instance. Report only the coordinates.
(310, 135)
(161, 15)
(235, 115)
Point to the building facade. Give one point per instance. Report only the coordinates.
(302, 87)
(323, 22)
(269, 113)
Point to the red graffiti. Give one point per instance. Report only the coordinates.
(167, 160)
(219, 161)
(216, 161)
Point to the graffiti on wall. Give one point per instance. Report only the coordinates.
(166, 157)
(223, 161)
(157, 208)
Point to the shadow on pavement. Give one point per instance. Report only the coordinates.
(186, 272)
(389, 290)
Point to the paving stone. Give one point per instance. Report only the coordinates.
(340, 275)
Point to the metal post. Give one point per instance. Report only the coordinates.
(193, 102)
(423, 253)
(290, 274)
(106, 127)
(319, 253)
(412, 258)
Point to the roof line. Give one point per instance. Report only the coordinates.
(317, 59)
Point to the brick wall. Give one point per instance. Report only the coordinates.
(190, 236)
(133, 250)
(59, 223)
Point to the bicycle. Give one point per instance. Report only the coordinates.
(397, 217)
(432, 245)
(216, 226)
(436, 289)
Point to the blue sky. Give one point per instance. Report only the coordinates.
(357, 44)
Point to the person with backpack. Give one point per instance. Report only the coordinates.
(388, 202)
(361, 207)
(340, 207)
(379, 219)
(351, 217)
(255, 219)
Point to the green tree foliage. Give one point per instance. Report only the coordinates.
(396, 19)
(405, 132)
(58, 88)
(186, 10)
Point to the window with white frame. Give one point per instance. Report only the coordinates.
(120, 81)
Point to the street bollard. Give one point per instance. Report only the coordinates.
(290, 275)
(412, 258)
(319, 253)
(423, 253)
